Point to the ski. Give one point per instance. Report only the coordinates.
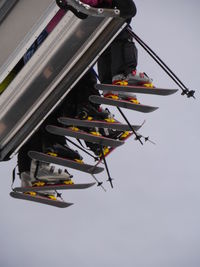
(121, 103)
(40, 198)
(79, 134)
(41, 186)
(108, 151)
(135, 89)
(97, 123)
(77, 165)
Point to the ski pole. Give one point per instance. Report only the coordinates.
(81, 148)
(107, 170)
(98, 182)
(137, 137)
(171, 74)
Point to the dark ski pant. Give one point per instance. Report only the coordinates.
(120, 57)
(69, 107)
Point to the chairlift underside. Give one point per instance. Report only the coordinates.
(58, 64)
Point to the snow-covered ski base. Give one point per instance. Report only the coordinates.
(39, 198)
(135, 89)
(122, 104)
(65, 162)
(59, 186)
(79, 134)
(97, 123)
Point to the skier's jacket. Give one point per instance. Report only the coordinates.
(127, 7)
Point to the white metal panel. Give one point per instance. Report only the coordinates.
(57, 65)
(20, 28)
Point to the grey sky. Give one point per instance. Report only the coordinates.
(151, 217)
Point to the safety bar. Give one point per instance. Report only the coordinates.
(86, 9)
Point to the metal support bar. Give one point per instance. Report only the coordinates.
(86, 9)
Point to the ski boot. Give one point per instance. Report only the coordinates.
(95, 112)
(46, 195)
(90, 111)
(63, 151)
(46, 175)
(45, 172)
(109, 133)
(27, 180)
(42, 174)
(134, 78)
(41, 171)
(97, 150)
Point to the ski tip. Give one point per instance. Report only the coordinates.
(63, 120)
(51, 128)
(31, 154)
(96, 170)
(91, 184)
(147, 109)
(98, 86)
(66, 205)
(155, 108)
(41, 200)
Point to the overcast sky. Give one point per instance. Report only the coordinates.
(151, 217)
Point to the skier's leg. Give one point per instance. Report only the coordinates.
(42, 141)
(120, 58)
(85, 109)
(125, 60)
(54, 145)
(104, 67)
(124, 55)
(24, 161)
(77, 103)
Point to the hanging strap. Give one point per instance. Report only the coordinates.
(13, 176)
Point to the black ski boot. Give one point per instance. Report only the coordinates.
(63, 151)
(91, 111)
(96, 149)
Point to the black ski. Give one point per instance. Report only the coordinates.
(108, 151)
(135, 89)
(65, 162)
(121, 103)
(98, 123)
(58, 186)
(79, 134)
(40, 198)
